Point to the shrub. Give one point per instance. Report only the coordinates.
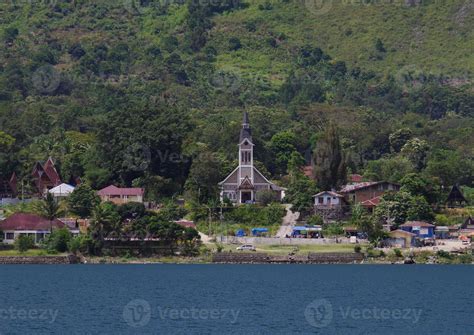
(59, 240)
(266, 197)
(333, 229)
(397, 252)
(465, 259)
(443, 254)
(357, 249)
(79, 244)
(24, 243)
(234, 44)
(315, 220)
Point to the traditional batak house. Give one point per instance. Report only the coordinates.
(45, 176)
(9, 188)
(244, 183)
(456, 198)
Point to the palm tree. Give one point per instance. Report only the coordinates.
(49, 208)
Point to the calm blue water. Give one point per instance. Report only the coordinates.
(236, 299)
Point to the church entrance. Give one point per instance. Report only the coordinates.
(246, 197)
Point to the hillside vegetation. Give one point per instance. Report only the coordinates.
(150, 93)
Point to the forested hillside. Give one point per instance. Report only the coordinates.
(151, 93)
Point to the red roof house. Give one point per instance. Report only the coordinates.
(46, 176)
(186, 223)
(119, 195)
(29, 224)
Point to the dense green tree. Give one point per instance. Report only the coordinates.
(399, 138)
(204, 176)
(329, 161)
(397, 208)
(282, 146)
(416, 151)
(300, 193)
(420, 185)
(82, 201)
(131, 211)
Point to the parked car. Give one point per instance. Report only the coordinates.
(246, 247)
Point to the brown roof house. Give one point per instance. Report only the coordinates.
(119, 195)
(45, 176)
(244, 183)
(367, 193)
(27, 224)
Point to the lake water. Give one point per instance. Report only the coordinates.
(236, 299)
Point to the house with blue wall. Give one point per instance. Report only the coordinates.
(421, 229)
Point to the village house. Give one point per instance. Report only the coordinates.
(45, 176)
(456, 198)
(120, 196)
(329, 205)
(368, 192)
(61, 191)
(245, 182)
(420, 228)
(400, 239)
(27, 224)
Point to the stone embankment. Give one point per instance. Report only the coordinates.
(71, 259)
(311, 258)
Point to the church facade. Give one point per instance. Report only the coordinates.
(243, 185)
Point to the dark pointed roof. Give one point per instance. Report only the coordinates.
(456, 196)
(245, 132)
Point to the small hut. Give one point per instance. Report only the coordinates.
(456, 198)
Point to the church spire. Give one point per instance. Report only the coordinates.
(246, 132)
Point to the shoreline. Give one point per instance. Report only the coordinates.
(176, 260)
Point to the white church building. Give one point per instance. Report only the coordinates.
(245, 182)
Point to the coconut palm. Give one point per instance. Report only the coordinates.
(49, 208)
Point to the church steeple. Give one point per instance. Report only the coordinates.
(246, 132)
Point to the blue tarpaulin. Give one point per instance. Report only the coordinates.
(240, 233)
(259, 231)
